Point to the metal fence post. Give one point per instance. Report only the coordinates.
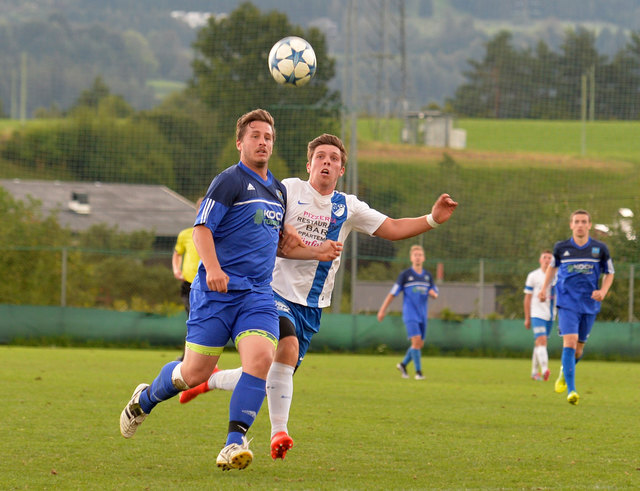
(631, 280)
(63, 279)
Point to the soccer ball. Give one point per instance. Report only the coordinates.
(292, 61)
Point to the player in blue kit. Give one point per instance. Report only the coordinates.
(303, 288)
(416, 285)
(579, 262)
(236, 233)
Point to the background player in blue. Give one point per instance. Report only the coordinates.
(579, 262)
(303, 288)
(416, 285)
(236, 233)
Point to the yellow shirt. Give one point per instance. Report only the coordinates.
(187, 249)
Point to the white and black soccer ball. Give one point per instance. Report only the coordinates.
(292, 61)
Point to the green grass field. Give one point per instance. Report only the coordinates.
(474, 423)
(603, 139)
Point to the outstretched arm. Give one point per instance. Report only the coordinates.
(383, 308)
(403, 228)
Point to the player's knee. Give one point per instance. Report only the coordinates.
(259, 366)
(541, 341)
(288, 345)
(287, 351)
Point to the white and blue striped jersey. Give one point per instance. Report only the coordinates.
(532, 286)
(245, 215)
(415, 288)
(318, 218)
(579, 270)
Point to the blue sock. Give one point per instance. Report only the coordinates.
(245, 403)
(161, 388)
(569, 368)
(407, 357)
(417, 359)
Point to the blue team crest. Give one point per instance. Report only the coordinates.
(595, 251)
(338, 209)
(280, 196)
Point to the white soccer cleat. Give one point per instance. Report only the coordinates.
(132, 415)
(235, 456)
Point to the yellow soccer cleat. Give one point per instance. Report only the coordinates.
(561, 384)
(573, 398)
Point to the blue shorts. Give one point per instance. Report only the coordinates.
(570, 322)
(416, 329)
(305, 319)
(540, 327)
(217, 317)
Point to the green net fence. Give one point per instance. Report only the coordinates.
(532, 130)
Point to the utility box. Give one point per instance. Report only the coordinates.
(433, 129)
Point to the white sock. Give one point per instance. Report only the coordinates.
(225, 379)
(543, 358)
(279, 394)
(534, 362)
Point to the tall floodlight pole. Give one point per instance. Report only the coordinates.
(353, 145)
(336, 303)
(23, 88)
(404, 105)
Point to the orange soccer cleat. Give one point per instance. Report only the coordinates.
(280, 443)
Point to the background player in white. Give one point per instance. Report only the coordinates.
(416, 285)
(538, 316)
(579, 262)
(303, 288)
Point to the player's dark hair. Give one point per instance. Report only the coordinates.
(580, 212)
(546, 251)
(327, 139)
(250, 117)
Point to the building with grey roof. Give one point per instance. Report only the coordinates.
(129, 207)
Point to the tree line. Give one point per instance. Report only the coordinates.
(540, 83)
(189, 137)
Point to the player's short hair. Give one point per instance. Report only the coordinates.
(580, 212)
(327, 139)
(545, 251)
(255, 115)
(416, 247)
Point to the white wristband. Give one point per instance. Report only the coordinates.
(432, 223)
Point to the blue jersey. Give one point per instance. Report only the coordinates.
(245, 215)
(415, 288)
(579, 270)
